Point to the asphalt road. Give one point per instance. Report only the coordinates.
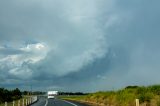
(56, 102)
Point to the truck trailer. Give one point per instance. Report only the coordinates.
(52, 94)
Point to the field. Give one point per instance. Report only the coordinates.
(148, 96)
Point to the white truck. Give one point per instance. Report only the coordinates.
(52, 94)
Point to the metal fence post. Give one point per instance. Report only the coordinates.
(137, 102)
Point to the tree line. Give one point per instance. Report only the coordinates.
(72, 93)
(33, 93)
(9, 95)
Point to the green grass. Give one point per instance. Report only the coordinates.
(71, 97)
(126, 97)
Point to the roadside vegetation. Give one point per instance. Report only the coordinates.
(9, 95)
(10, 103)
(148, 96)
(15, 95)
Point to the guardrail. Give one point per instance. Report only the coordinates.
(23, 102)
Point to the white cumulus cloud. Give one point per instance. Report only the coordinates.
(17, 64)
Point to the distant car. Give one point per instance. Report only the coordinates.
(52, 94)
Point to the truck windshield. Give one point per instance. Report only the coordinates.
(50, 94)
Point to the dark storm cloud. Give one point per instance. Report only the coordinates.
(99, 44)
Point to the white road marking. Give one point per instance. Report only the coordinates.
(70, 103)
(46, 102)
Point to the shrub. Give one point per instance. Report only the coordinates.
(125, 98)
(145, 97)
(155, 89)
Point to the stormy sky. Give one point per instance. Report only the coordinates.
(79, 45)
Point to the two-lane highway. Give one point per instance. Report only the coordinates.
(56, 102)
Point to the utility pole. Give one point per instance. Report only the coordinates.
(31, 90)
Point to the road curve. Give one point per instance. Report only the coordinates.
(41, 102)
(56, 102)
